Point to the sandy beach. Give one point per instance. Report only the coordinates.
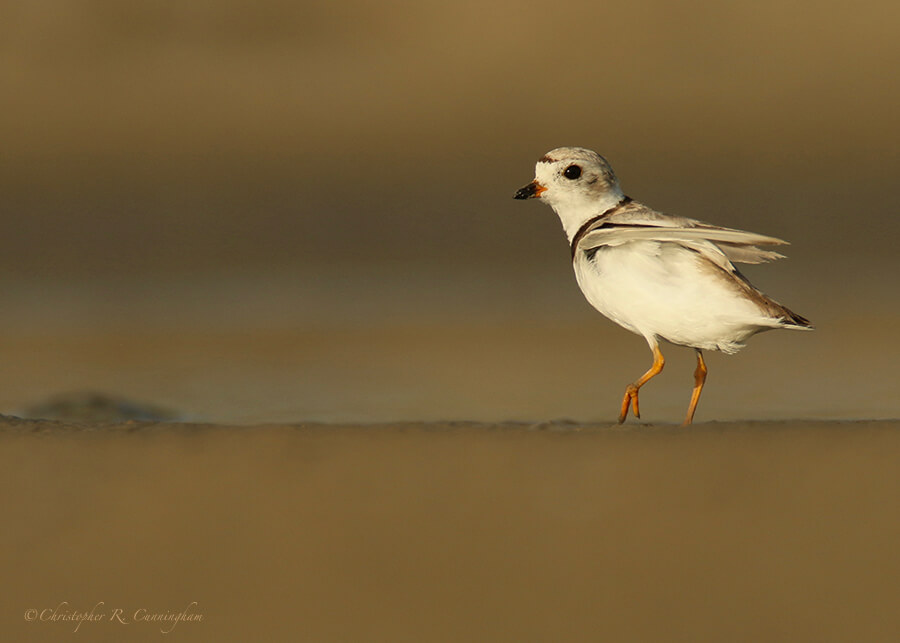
(763, 531)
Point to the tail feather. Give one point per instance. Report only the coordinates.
(779, 313)
(794, 321)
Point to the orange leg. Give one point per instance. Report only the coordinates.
(631, 392)
(699, 379)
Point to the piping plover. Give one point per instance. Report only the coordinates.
(657, 275)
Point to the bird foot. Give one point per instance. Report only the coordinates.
(630, 399)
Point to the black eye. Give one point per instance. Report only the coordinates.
(572, 172)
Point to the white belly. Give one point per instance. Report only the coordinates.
(663, 290)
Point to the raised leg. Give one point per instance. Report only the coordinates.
(631, 392)
(699, 379)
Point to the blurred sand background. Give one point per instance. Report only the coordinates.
(279, 211)
(438, 532)
(274, 212)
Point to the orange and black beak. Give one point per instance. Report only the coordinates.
(531, 191)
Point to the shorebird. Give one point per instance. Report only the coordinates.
(661, 276)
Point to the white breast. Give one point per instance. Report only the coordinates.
(664, 290)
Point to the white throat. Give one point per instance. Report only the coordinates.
(574, 214)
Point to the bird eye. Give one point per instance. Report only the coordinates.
(572, 172)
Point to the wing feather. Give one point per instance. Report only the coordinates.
(737, 245)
